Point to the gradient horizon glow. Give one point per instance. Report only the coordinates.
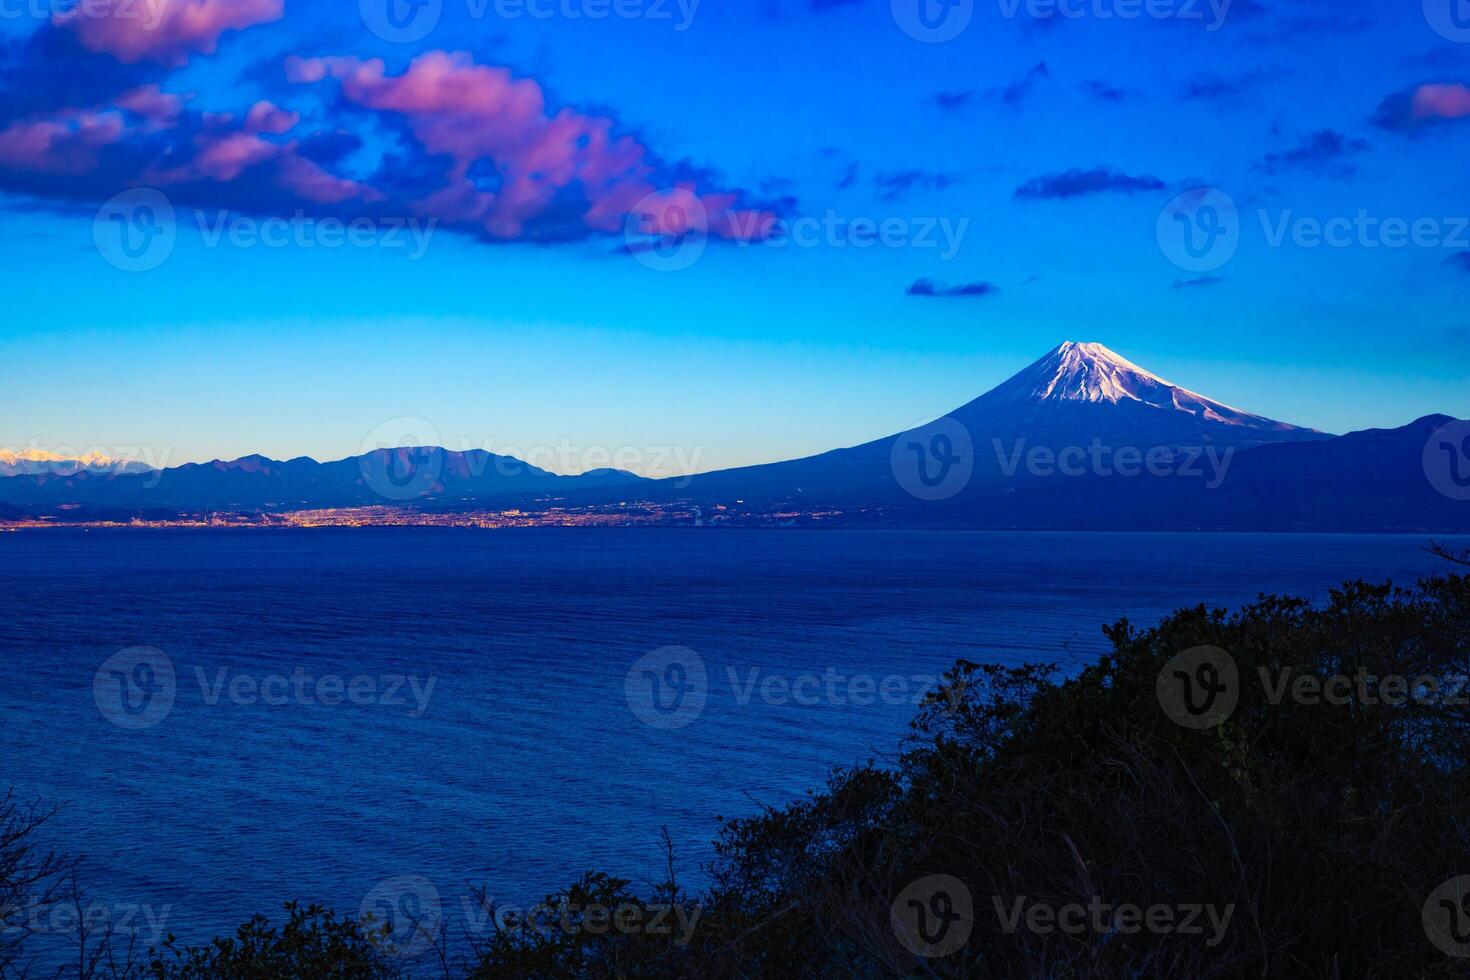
(1019, 175)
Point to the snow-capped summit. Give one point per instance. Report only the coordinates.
(1087, 372)
(33, 462)
(1090, 372)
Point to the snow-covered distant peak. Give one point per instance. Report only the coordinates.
(31, 462)
(1090, 372)
(14, 456)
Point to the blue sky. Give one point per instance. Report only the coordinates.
(1024, 169)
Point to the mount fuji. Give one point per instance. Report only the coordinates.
(1078, 397)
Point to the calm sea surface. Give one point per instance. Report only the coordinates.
(524, 764)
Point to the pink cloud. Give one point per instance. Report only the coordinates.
(159, 110)
(66, 141)
(222, 156)
(64, 144)
(477, 114)
(516, 168)
(265, 117)
(1442, 101)
(162, 31)
(310, 182)
(225, 158)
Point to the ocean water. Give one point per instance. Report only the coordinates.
(510, 716)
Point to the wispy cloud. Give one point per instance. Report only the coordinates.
(1016, 92)
(938, 290)
(1322, 152)
(1104, 91)
(897, 185)
(1081, 183)
(1012, 93)
(954, 100)
(1215, 88)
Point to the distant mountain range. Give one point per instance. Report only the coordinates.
(1081, 439)
(256, 483)
(31, 462)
